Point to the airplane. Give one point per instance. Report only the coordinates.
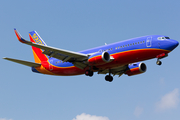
(123, 57)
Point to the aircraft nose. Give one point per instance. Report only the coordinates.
(173, 44)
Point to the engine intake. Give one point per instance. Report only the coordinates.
(99, 58)
(136, 68)
(105, 57)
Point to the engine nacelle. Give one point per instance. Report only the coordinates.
(99, 58)
(136, 68)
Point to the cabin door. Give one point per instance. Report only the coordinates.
(149, 42)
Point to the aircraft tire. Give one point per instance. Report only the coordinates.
(158, 62)
(89, 73)
(109, 78)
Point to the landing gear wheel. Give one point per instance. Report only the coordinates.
(158, 62)
(89, 73)
(109, 78)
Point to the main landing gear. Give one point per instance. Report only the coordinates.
(109, 77)
(89, 73)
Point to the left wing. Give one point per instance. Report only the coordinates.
(64, 55)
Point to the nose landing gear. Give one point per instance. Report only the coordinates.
(163, 55)
(158, 62)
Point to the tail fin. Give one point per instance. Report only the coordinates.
(38, 55)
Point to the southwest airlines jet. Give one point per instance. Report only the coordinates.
(118, 58)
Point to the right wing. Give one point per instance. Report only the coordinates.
(64, 55)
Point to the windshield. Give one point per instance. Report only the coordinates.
(163, 38)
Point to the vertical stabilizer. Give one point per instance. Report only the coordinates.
(38, 55)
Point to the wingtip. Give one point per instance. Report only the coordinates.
(19, 37)
(17, 34)
(6, 58)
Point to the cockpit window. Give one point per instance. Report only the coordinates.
(167, 37)
(163, 38)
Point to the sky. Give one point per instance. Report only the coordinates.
(78, 25)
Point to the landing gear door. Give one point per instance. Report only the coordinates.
(149, 42)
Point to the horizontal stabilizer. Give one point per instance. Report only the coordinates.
(30, 64)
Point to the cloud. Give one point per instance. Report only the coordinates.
(168, 101)
(4, 119)
(85, 116)
(138, 111)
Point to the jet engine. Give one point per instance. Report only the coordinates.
(99, 58)
(136, 68)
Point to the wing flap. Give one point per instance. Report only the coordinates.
(79, 65)
(27, 63)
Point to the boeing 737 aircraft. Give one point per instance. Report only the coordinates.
(118, 58)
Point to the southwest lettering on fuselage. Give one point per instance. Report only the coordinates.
(113, 59)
